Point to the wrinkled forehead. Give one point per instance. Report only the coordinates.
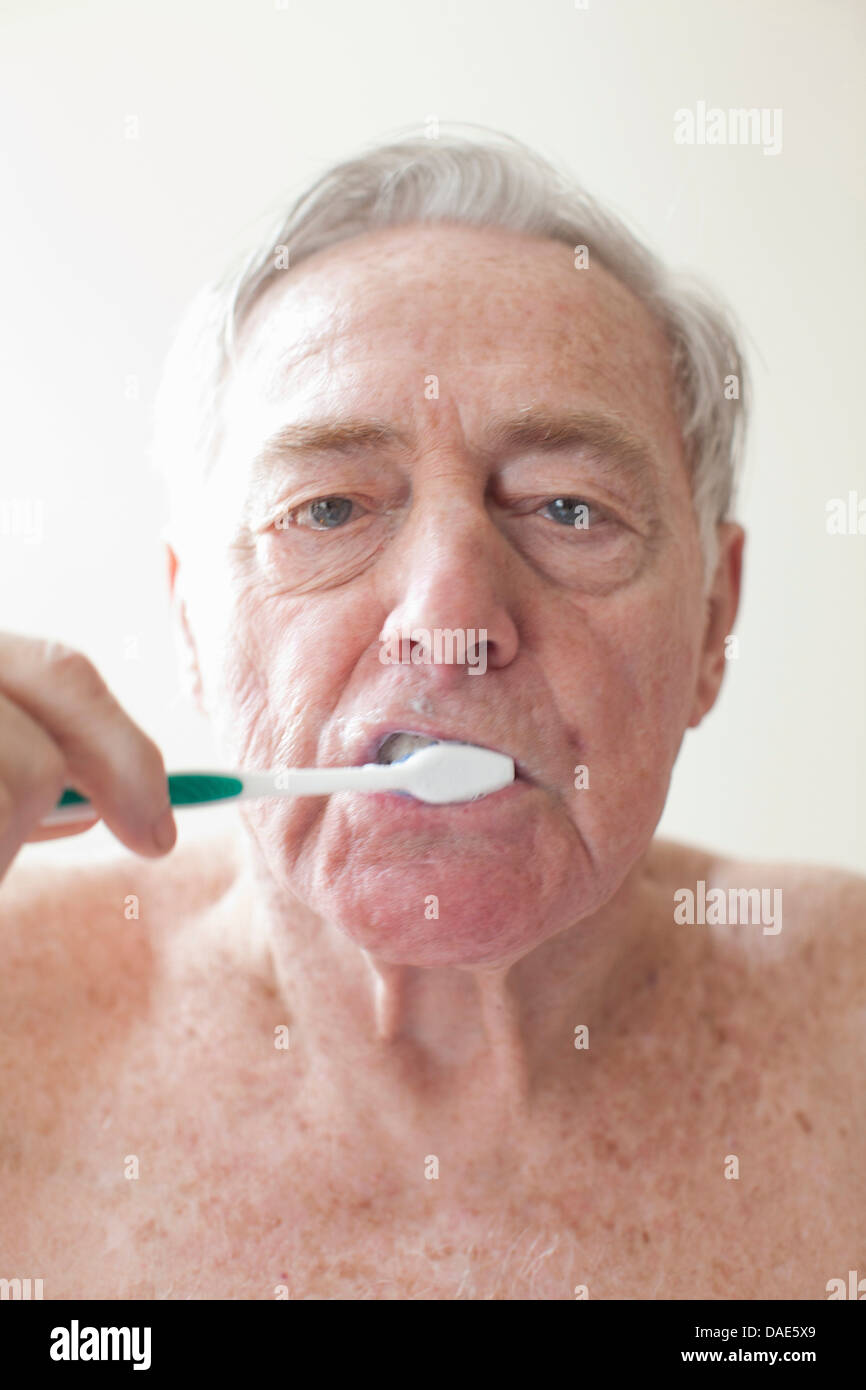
(493, 316)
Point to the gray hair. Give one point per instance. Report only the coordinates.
(499, 182)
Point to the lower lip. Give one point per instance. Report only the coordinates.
(404, 806)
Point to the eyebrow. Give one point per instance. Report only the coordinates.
(554, 430)
(617, 448)
(338, 436)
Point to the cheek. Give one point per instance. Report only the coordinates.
(653, 685)
(280, 667)
(650, 646)
(636, 696)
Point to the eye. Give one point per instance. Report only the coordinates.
(322, 514)
(576, 512)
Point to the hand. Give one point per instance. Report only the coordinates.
(61, 726)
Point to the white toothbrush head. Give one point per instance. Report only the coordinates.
(450, 772)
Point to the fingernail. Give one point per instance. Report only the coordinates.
(165, 830)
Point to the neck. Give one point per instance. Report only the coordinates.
(431, 1036)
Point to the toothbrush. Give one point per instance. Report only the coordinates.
(438, 774)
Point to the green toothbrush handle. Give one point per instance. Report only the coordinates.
(190, 788)
(184, 789)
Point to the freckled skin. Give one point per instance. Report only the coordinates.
(600, 661)
(450, 1036)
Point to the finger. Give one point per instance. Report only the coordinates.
(32, 769)
(58, 832)
(109, 758)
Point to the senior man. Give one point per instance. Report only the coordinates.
(367, 1047)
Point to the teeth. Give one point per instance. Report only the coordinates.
(398, 746)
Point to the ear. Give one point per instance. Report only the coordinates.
(722, 603)
(187, 655)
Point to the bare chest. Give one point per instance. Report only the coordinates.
(169, 1182)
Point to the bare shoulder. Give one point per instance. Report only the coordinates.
(780, 916)
(64, 929)
(85, 953)
(821, 908)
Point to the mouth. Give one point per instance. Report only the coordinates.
(397, 744)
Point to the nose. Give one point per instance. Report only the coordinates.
(447, 571)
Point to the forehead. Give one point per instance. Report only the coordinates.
(493, 314)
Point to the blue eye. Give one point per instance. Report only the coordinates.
(573, 511)
(323, 514)
(328, 512)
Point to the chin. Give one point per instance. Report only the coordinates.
(418, 919)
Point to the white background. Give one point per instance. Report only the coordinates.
(239, 103)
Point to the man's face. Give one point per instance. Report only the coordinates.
(454, 338)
